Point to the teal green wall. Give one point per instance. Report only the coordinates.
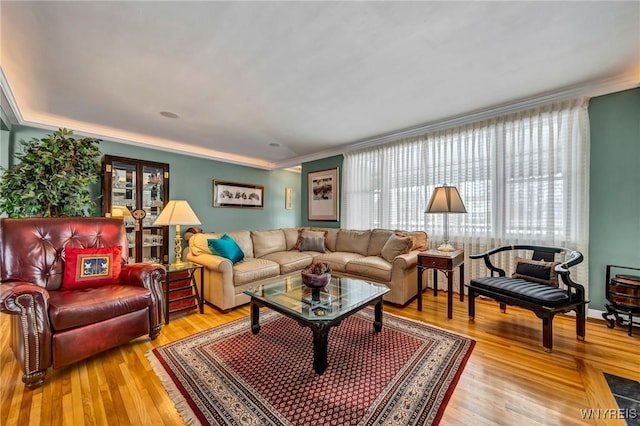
(614, 222)
(313, 166)
(191, 179)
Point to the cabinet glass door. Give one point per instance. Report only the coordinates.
(123, 199)
(137, 190)
(152, 203)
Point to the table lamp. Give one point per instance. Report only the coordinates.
(445, 199)
(177, 212)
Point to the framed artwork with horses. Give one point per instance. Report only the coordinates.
(239, 195)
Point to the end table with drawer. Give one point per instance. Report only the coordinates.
(445, 262)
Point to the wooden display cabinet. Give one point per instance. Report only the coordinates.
(137, 190)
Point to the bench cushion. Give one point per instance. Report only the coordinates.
(527, 291)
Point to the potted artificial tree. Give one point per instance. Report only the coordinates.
(52, 177)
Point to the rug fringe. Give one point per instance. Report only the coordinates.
(182, 406)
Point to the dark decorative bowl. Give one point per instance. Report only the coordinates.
(315, 281)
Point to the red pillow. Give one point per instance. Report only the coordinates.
(91, 267)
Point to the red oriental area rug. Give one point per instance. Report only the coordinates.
(403, 375)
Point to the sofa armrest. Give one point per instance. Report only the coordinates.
(33, 344)
(212, 262)
(149, 276)
(406, 260)
(142, 274)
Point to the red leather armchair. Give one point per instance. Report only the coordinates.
(52, 327)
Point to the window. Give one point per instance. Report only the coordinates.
(523, 179)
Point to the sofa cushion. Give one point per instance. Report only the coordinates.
(330, 237)
(252, 269)
(291, 237)
(199, 243)
(91, 267)
(312, 244)
(419, 239)
(226, 247)
(306, 233)
(395, 246)
(536, 271)
(265, 242)
(290, 261)
(243, 238)
(353, 241)
(373, 267)
(76, 308)
(377, 241)
(337, 260)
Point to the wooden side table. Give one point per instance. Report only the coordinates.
(445, 262)
(177, 274)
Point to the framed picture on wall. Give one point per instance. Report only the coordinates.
(239, 195)
(288, 195)
(323, 196)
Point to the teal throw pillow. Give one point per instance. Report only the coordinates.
(226, 247)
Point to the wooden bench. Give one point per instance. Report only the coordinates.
(531, 292)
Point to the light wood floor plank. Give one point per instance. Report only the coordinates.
(508, 380)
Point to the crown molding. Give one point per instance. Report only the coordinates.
(7, 95)
(589, 89)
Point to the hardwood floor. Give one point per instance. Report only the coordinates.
(509, 379)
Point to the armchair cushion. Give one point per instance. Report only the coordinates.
(71, 309)
(91, 267)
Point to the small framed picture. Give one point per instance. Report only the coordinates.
(239, 195)
(288, 194)
(324, 195)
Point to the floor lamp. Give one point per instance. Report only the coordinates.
(446, 199)
(177, 212)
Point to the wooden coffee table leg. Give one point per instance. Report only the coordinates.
(377, 322)
(320, 343)
(255, 317)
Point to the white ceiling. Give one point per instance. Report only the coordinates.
(313, 77)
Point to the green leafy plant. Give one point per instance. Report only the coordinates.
(52, 177)
(317, 268)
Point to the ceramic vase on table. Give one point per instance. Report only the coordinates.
(315, 282)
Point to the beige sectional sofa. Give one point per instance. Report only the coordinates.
(272, 253)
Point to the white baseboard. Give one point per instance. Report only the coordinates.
(594, 313)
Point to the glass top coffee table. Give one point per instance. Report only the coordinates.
(319, 309)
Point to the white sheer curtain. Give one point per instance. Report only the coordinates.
(523, 178)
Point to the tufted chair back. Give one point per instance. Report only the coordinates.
(31, 249)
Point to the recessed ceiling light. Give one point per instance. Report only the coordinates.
(169, 114)
(274, 144)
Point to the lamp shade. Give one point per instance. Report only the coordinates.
(445, 199)
(177, 212)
